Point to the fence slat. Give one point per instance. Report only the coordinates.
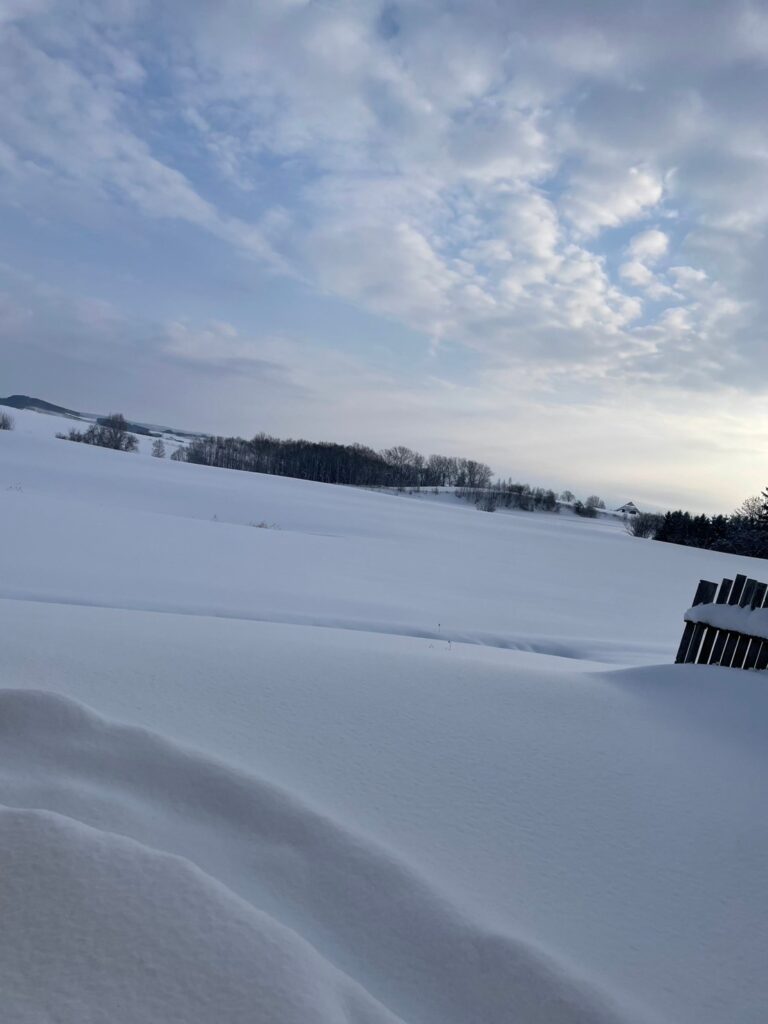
(692, 654)
(742, 643)
(718, 647)
(705, 653)
(729, 650)
(761, 662)
(756, 645)
(718, 650)
(752, 652)
(738, 587)
(747, 594)
(705, 592)
(740, 653)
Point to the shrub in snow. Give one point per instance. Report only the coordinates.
(158, 448)
(6, 421)
(582, 509)
(644, 524)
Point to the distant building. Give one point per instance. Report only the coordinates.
(630, 509)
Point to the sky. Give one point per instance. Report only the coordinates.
(532, 233)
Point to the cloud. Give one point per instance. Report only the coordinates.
(572, 194)
(688, 278)
(648, 246)
(637, 273)
(425, 163)
(218, 346)
(67, 126)
(644, 251)
(606, 198)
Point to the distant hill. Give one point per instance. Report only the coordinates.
(38, 404)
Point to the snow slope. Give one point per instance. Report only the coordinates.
(338, 557)
(213, 810)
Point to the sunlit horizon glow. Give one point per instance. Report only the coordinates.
(530, 233)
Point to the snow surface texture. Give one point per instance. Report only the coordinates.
(212, 810)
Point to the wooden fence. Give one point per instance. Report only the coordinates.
(704, 644)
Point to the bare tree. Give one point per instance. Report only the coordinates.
(488, 501)
(477, 473)
(112, 432)
(439, 471)
(6, 421)
(158, 448)
(751, 508)
(405, 465)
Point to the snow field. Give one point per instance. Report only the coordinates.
(370, 766)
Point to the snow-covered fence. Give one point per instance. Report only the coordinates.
(727, 625)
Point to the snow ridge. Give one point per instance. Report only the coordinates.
(168, 861)
(580, 648)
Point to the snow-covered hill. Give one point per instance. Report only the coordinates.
(381, 762)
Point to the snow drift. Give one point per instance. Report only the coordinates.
(225, 870)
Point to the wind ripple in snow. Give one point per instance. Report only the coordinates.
(140, 881)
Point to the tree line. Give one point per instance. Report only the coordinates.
(743, 532)
(352, 464)
(326, 462)
(509, 494)
(107, 432)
